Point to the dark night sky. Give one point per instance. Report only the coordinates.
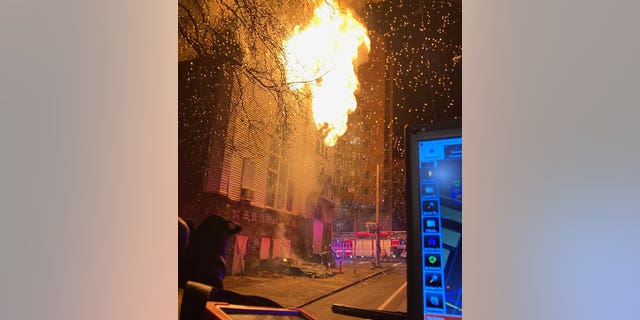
(424, 57)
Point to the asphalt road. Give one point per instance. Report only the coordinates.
(387, 291)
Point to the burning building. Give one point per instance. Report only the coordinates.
(261, 104)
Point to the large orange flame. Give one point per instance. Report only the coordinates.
(321, 58)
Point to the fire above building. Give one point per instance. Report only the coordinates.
(320, 59)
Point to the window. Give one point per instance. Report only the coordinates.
(272, 177)
(290, 195)
(248, 173)
(280, 188)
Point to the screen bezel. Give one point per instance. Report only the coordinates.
(223, 310)
(413, 134)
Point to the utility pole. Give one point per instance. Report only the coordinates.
(377, 215)
(355, 240)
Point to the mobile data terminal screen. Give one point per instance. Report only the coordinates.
(434, 220)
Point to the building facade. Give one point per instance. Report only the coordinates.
(240, 159)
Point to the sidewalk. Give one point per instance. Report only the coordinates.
(294, 291)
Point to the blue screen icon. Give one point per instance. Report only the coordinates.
(431, 225)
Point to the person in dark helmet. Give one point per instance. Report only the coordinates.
(204, 259)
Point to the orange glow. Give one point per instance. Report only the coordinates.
(321, 58)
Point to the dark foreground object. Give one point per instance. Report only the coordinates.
(204, 257)
(196, 295)
(368, 314)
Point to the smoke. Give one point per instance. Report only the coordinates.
(279, 232)
(281, 245)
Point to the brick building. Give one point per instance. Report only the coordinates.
(239, 159)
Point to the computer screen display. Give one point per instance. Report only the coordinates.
(434, 216)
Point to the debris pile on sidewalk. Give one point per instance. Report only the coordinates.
(297, 268)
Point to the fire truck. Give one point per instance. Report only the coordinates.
(392, 244)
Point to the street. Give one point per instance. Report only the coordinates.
(387, 291)
(376, 288)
